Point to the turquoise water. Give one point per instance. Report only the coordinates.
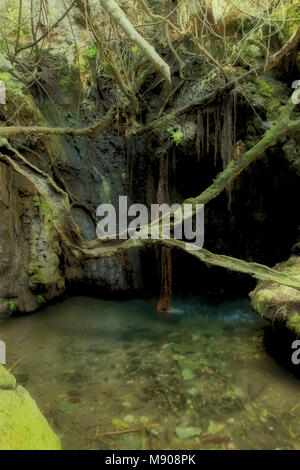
(112, 375)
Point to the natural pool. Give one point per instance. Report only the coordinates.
(111, 375)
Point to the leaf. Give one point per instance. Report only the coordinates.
(124, 397)
(240, 432)
(184, 348)
(187, 375)
(129, 418)
(145, 343)
(186, 363)
(187, 432)
(119, 424)
(127, 404)
(68, 408)
(192, 391)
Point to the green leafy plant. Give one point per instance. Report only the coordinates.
(11, 305)
(176, 135)
(41, 299)
(90, 53)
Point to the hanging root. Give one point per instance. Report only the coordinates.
(164, 303)
(224, 121)
(224, 139)
(164, 254)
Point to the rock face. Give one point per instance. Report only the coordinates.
(29, 247)
(36, 267)
(33, 267)
(23, 427)
(277, 303)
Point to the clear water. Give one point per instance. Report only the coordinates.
(111, 375)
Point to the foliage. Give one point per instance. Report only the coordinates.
(11, 305)
(91, 52)
(176, 135)
(43, 207)
(287, 12)
(264, 88)
(228, 31)
(293, 322)
(41, 299)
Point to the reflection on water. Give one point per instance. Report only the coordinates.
(110, 375)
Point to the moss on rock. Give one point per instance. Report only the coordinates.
(261, 301)
(293, 323)
(279, 303)
(23, 427)
(287, 13)
(7, 380)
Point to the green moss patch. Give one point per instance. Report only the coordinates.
(23, 427)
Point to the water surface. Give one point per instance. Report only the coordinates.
(111, 375)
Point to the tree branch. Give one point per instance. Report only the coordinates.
(125, 87)
(274, 60)
(256, 270)
(283, 126)
(118, 15)
(34, 43)
(92, 131)
(69, 232)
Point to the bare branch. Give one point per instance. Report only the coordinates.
(256, 270)
(92, 131)
(34, 43)
(118, 15)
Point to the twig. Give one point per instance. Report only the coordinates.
(115, 433)
(203, 101)
(153, 15)
(170, 95)
(220, 377)
(11, 368)
(19, 26)
(47, 32)
(180, 62)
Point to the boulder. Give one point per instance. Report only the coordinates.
(278, 303)
(22, 425)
